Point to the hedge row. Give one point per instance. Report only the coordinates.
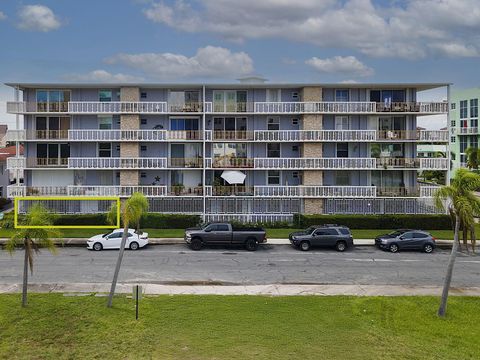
(428, 222)
(152, 221)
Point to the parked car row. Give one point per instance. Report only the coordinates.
(329, 235)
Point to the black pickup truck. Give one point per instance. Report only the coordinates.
(225, 234)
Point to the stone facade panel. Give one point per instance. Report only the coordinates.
(129, 93)
(129, 177)
(313, 206)
(129, 150)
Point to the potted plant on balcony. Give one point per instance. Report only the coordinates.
(178, 189)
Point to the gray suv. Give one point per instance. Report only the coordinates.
(329, 235)
(406, 239)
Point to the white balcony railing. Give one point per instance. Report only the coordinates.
(468, 130)
(156, 107)
(315, 163)
(117, 107)
(15, 135)
(133, 135)
(14, 163)
(122, 191)
(306, 191)
(117, 163)
(428, 191)
(433, 135)
(315, 107)
(315, 135)
(433, 164)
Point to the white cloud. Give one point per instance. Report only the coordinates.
(414, 29)
(38, 18)
(347, 65)
(208, 62)
(350, 81)
(102, 76)
(2, 16)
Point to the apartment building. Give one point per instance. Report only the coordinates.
(252, 152)
(463, 124)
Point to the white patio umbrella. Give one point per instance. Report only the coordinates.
(233, 176)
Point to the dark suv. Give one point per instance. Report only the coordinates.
(406, 239)
(329, 235)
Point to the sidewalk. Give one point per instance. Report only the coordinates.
(265, 290)
(444, 244)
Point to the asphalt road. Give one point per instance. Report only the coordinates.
(176, 264)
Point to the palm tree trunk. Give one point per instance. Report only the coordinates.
(25, 272)
(451, 262)
(473, 237)
(465, 237)
(119, 263)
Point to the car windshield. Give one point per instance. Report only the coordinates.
(310, 230)
(106, 234)
(204, 226)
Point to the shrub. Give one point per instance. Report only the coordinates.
(7, 221)
(169, 221)
(4, 202)
(81, 219)
(429, 222)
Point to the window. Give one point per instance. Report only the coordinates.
(273, 123)
(295, 174)
(105, 122)
(117, 174)
(143, 148)
(274, 95)
(294, 121)
(143, 121)
(342, 178)
(463, 144)
(463, 109)
(117, 147)
(273, 150)
(473, 122)
(419, 235)
(327, 232)
(295, 95)
(52, 154)
(184, 124)
(105, 95)
(452, 139)
(143, 174)
(407, 235)
(341, 123)
(341, 95)
(453, 123)
(294, 148)
(463, 123)
(387, 96)
(344, 231)
(474, 108)
(143, 95)
(473, 142)
(452, 106)
(273, 177)
(53, 100)
(230, 100)
(222, 227)
(342, 150)
(104, 150)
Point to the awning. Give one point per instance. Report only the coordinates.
(233, 176)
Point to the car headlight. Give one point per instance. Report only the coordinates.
(384, 241)
(188, 236)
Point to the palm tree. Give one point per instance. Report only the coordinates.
(463, 204)
(131, 212)
(33, 240)
(473, 158)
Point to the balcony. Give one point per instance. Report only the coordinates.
(134, 135)
(315, 135)
(36, 135)
(236, 162)
(185, 162)
(315, 163)
(229, 135)
(159, 107)
(306, 191)
(468, 130)
(117, 163)
(413, 163)
(116, 190)
(35, 163)
(233, 190)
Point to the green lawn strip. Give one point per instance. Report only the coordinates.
(241, 327)
(271, 233)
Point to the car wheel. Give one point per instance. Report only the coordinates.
(393, 248)
(341, 246)
(97, 246)
(428, 248)
(304, 246)
(196, 244)
(134, 245)
(251, 244)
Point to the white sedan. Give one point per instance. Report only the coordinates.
(113, 239)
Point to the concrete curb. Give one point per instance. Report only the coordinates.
(264, 290)
(444, 244)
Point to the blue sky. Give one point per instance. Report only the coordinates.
(221, 40)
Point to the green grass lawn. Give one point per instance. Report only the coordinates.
(271, 233)
(242, 327)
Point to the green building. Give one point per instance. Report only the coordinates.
(463, 124)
